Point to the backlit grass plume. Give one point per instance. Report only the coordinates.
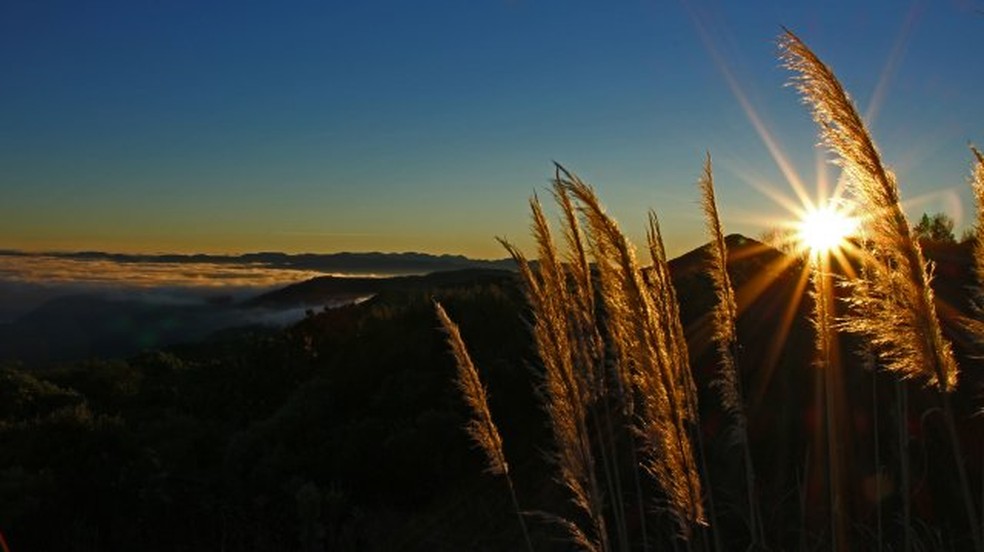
(726, 309)
(564, 387)
(893, 308)
(975, 325)
(608, 338)
(728, 380)
(977, 185)
(665, 294)
(587, 334)
(590, 356)
(648, 353)
(481, 428)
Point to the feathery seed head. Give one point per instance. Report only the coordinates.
(726, 309)
(481, 428)
(894, 306)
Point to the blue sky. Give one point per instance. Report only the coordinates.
(323, 126)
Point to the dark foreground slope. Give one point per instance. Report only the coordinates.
(344, 431)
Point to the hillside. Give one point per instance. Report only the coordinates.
(323, 289)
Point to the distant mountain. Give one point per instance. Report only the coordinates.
(351, 263)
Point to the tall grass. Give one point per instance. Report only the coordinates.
(893, 307)
(729, 380)
(565, 388)
(823, 320)
(615, 379)
(651, 357)
(977, 186)
(615, 375)
(481, 428)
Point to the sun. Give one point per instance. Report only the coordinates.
(825, 228)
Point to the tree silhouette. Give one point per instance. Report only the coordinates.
(938, 227)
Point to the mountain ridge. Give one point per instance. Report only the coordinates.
(344, 261)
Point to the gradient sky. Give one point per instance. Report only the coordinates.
(151, 126)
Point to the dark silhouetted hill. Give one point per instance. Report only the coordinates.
(319, 290)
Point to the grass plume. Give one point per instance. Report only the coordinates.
(728, 381)
(893, 306)
(977, 186)
(975, 325)
(649, 355)
(726, 309)
(564, 388)
(607, 337)
(664, 294)
(481, 428)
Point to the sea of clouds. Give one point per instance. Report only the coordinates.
(28, 281)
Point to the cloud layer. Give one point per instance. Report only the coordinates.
(51, 270)
(28, 281)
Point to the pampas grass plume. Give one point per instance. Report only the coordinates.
(481, 428)
(893, 308)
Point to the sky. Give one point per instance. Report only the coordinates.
(230, 127)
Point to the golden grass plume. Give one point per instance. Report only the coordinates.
(893, 308)
(564, 387)
(726, 309)
(728, 380)
(649, 353)
(977, 186)
(481, 428)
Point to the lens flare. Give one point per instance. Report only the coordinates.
(825, 229)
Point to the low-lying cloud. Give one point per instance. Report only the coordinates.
(28, 281)
(51, 270)
(112, 308)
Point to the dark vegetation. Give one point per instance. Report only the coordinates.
(86, 325)
(344, 431)
(938, 228)
(327, 288)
